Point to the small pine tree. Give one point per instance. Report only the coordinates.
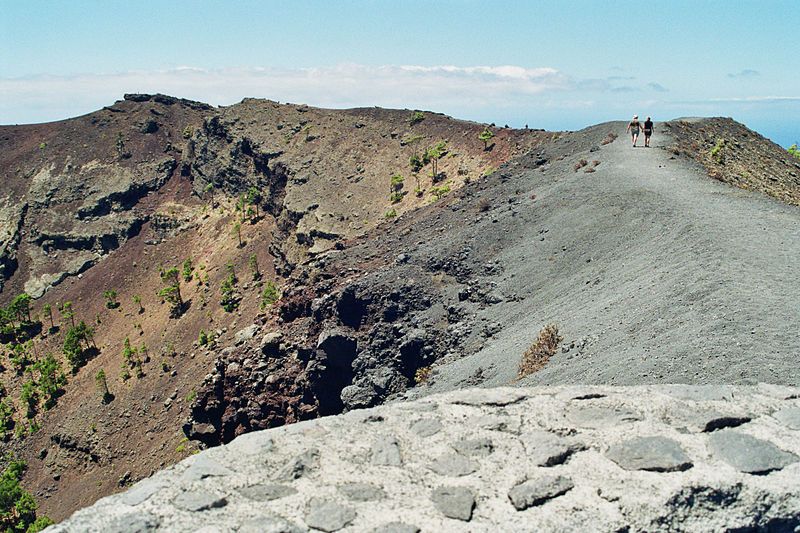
(188, 270)
(254, 267)
(485, 136)
(102, 385)
(172, 292)
(138, 301)
(237, 229)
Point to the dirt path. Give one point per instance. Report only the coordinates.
(653, 272)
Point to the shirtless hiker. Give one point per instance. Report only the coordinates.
(633, 128)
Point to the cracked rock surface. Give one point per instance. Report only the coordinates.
(506, 460)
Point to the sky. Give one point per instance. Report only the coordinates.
(545, 64)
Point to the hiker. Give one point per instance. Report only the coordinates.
(633, 127)
(648, 131)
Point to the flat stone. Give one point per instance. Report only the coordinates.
(748, 454)
(328, 515)
(386, 452)
(547, 449)
(537, 491)
(427, 427)
(788, 416)
(270, 524)
(134, 523)
(704, 420)
(143, 490)
(264, 492)
(491, 397)
(299, 466)
(657, 454)
(474, 447)
(453, 465)
(396, 527)
(601, 417)
(204, 467)
(700, 393)
(454, 502)
(198, 501)
(362, 492)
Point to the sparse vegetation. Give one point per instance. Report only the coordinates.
(391, 213)
(438, 192)
(580, 164)
(102, 385)
(188, 270)
(540, 351)
(254, 267)
(485, 136)
(416, 116)
(794, 151)
(422, 375)
(610, 136)
(172, 292)
(717, 153)
(111, 298)
(18, 507)
(269, 295)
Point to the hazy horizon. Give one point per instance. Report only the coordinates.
(551, 66)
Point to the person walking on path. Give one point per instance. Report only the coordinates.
(633, 128)
(648, 131)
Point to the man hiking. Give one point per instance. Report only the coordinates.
(633, 128)
(648, 131)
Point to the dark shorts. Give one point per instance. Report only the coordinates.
(648, 132)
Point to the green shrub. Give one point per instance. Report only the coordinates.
(438, 192)
(716, 153)
(270, 295)
(410, 140)
(111, 298)
(390, 214)
(188, 270)
(794, 151)
(396, 197)
(416, 116)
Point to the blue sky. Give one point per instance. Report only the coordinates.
(553, 65)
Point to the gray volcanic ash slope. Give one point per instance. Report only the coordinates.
(653, 272)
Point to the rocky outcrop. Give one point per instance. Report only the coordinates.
(655, 458)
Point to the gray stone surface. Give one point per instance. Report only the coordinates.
(264, 492)
(473, 459)
(454, 502)
(396, 527)
(658, 454)
(452, 464)
(328, 515)
(749, 454)
(537, 491)
(386, 452)
(426, 427)
(362, 492)
(788, 416)
(199, 501)
(477, 447)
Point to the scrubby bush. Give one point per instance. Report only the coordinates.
(416, 116)
(794, 151)
(540, 351)
(716, 153)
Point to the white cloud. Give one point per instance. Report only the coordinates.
(758, 99)
(441, 88)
